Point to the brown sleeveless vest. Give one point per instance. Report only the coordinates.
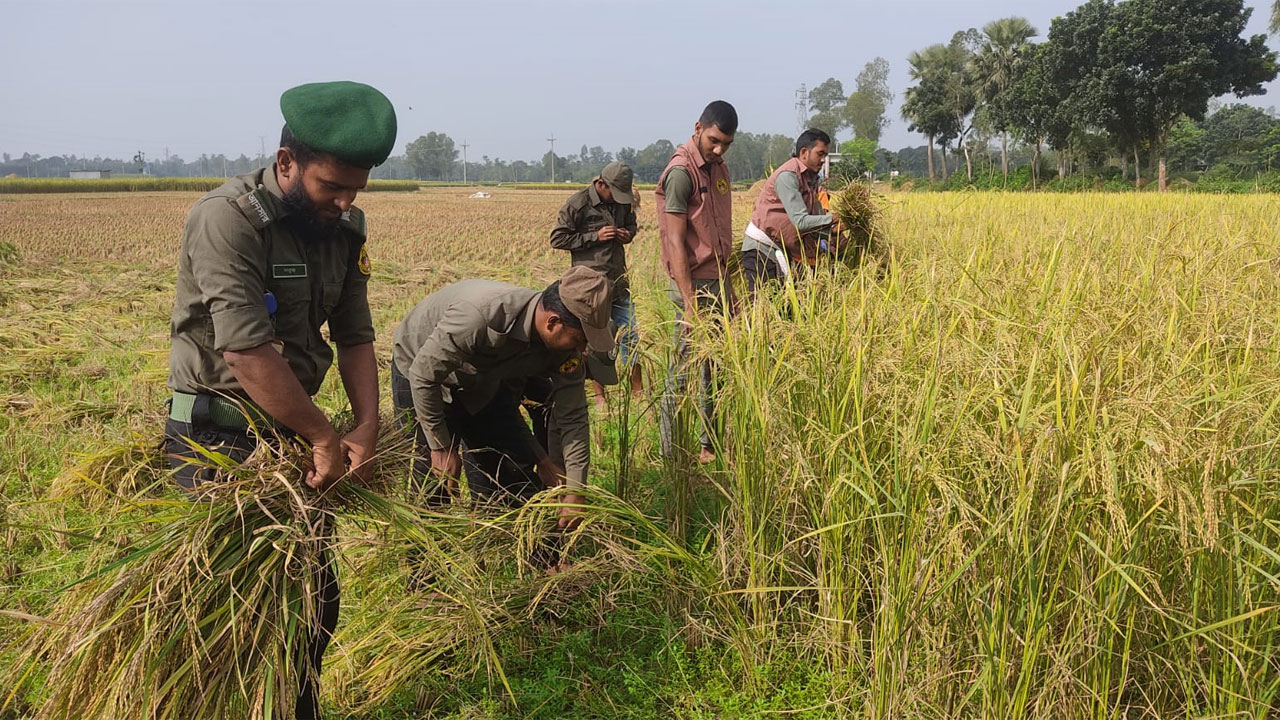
(709, 234)
(770, 216)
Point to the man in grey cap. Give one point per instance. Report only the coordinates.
(595, 225)
(461, 360)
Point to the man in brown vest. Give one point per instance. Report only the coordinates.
(695, 223)
(788, 228)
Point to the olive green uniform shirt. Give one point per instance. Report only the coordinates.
(468, 340)
(576, 230)
(237, 246)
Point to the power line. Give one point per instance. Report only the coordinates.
(464, 161)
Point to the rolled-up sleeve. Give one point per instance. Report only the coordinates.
(228, 263)
(351, 322)
(454, 339)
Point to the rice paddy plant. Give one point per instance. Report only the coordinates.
(624, 423)
(204, 611)
(1016, 478)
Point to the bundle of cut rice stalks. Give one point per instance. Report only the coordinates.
(492, 588)
(208, 612)
(862, 237)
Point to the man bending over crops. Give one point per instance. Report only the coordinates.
(595, 225)
(788, 228)
(461, 363)
(266, 260)
(695, 223)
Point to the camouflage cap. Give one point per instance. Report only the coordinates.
(351, 121)
(618, 176)
(588, 294)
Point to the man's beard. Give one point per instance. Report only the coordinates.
(305, 217)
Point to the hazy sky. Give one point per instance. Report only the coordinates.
(111, 77)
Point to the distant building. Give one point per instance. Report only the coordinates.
(832, 159)
(90, 174)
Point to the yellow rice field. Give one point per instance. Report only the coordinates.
(1030, 470)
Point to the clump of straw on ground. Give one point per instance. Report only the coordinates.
(113, 474)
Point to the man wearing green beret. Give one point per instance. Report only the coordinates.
(266, 260)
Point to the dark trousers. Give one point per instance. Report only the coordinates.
(496, 457)
(710, 301)
(238, 444)
(759, 268)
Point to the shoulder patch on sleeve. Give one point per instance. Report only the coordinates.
(363, 263)
(257, 207)
(570, 365)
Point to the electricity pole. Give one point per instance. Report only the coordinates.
(464, 162)
(802, 107)
(552, 140)
(262, 150)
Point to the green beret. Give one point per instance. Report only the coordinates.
(348, 120)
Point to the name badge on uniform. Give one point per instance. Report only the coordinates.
(289, 271)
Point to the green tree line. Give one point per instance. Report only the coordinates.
(29, 165)
(1113, 82)
(435, 156)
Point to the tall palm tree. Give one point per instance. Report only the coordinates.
(913, 113)
(1275, 17)
(1005, 44)
(920, 64)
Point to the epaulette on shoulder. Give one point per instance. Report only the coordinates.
(353, 220)
(257, 207)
